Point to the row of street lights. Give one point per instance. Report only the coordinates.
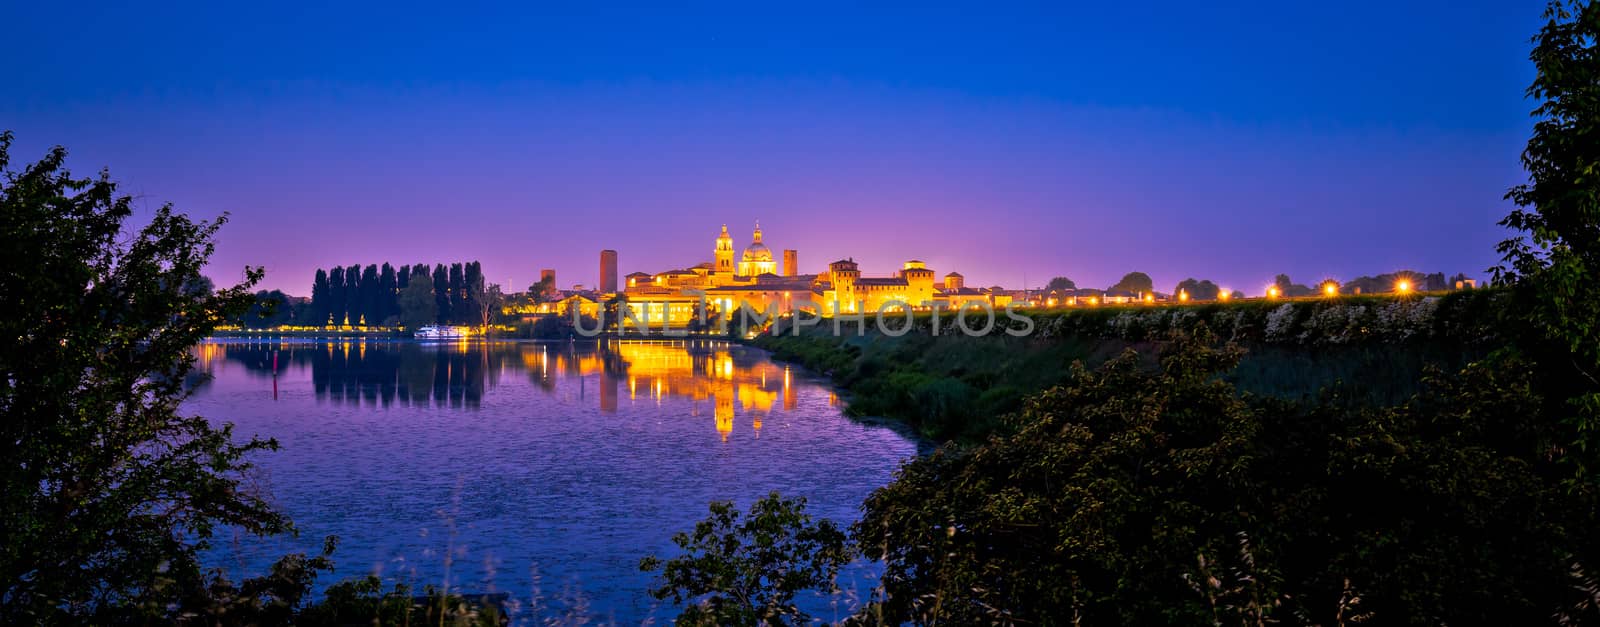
(1331, 289)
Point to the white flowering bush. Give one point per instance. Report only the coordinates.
(1279, 323)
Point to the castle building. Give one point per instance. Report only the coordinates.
(753, 280)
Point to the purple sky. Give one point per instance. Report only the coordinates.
(1175, 140)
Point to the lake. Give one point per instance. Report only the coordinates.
(544, 470)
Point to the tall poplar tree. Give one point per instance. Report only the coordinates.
(472, 279)
(388, 294)
(352, 295)
(441, 293)
(370, 296)
(458, 295)
(336, 296)
(318, 314)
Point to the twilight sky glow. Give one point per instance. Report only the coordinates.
(1167, 136)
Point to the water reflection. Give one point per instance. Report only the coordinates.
(714, 375)
(520, 466)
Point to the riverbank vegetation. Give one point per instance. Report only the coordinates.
(1154, 478)
(954, 387)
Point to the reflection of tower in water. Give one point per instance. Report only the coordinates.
(608, 391)
(722, 395)
(788, 390)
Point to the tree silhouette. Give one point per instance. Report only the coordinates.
(1137, 282)
(441, 294)
(1060, 283)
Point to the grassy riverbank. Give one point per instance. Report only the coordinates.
(1367, 349)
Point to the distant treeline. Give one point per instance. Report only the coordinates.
(378, 295)
(353, 296)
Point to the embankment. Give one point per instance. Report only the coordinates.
(953, 386)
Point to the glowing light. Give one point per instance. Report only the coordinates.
(1402, 286)
(1093, 300)
(1274, 292)
(1183, 296)
(1224, 295)
(1149, 298)
(1329, 288)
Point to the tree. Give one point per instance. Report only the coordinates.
(472, 278)
(541, 290)
(612, 311)
(1108, 494)
(270, 309)
(456, 292)
(352, 295)
(747, 571)
(488, 299)
(1555, 261)
(1137, 282)
(1197, 290)
(336, 296)
(1290, 289)
(319, 299)
(371, 297)
(1061, 283)
(441, 294)
(418, 308)
(110, 491)
(388, 295)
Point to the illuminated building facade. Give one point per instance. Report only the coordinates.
(674, 296)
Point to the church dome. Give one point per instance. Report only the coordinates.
(757, 252)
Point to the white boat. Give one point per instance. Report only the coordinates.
(432, 332)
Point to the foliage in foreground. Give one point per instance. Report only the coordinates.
(109, 491)
(1554, 262)
(1159, 494)
(747, 571)
(1118, 486)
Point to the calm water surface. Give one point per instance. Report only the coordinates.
(545, 470)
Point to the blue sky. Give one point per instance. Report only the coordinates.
(998, 140)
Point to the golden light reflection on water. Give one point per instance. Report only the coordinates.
(380, 373)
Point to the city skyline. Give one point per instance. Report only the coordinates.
(1086, 142)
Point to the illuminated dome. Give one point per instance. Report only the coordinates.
(757, 250)
(757, 259)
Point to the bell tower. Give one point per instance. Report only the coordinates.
(724, 253)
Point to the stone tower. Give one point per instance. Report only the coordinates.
(724, 253)
(843, 274)
(608, 271)
(791, 262)
(919, 282)
(954, 281)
